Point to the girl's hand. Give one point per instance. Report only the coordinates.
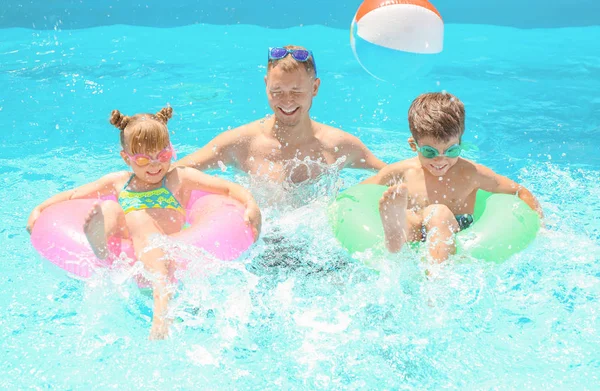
(253, 217)
(35, 214)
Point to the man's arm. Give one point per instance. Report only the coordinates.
(220, 149)
(357, 154)
(491, 182)
(200, 181)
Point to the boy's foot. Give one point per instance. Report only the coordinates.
(95, 232)
(392, 209)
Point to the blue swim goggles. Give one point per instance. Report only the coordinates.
(300, 55)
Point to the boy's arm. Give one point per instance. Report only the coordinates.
(197, 180)
(219, 149)
(388, 176)
(102, 187)
(491, 182)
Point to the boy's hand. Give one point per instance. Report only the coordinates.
(253, 217)
(540, 213)
(35, 214)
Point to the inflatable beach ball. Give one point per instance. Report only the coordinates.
(396, 39)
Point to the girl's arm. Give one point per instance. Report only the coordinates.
(197, 180)
(102, 187)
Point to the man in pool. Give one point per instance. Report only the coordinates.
(266, 147)
(432, 196)
(286, 151)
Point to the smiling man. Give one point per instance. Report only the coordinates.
(267, 146)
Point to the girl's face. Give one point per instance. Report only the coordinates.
(149, 167)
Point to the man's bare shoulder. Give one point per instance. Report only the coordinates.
(330, 134)
(239, 137)
(246, 131)
(331, 137)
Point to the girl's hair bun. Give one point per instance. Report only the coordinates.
(165, 115)
(119, 120)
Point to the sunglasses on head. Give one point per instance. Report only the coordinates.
(300, 55)
(430, 152)
(142, 159)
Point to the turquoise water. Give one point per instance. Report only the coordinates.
(298, 314)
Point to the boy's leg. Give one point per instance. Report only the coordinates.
(441, 225)
(392, 209)
(105, 220)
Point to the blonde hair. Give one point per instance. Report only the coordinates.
(289, 64)
(436, 114)
(143, 133)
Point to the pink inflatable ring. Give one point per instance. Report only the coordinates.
(216, 225)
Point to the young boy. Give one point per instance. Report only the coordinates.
(432, 196)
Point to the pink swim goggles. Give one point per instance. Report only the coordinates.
(142, 159)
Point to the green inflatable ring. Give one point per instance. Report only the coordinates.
(503, 223)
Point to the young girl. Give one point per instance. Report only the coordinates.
(150, 201)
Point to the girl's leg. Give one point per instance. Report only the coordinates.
(105, 221)
(142, 227)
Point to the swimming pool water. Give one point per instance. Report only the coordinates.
(311, 318)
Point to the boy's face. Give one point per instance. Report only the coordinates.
(441, 164)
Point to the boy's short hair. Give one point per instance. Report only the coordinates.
(436, 114)
(289, 64)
